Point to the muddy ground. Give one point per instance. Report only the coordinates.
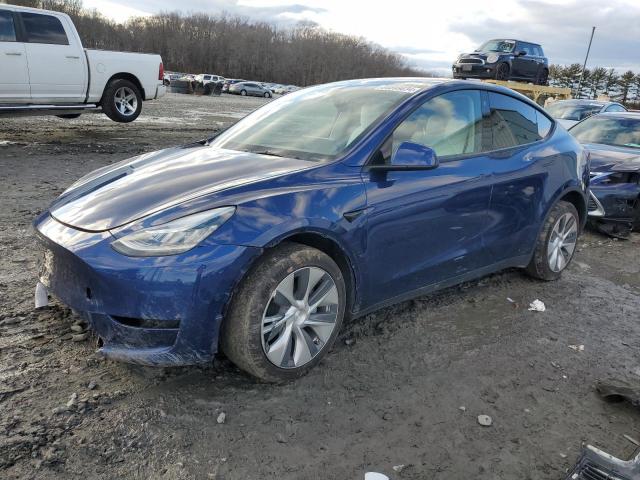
(403, 386)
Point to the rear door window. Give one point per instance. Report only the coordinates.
(44, 29)
(7, 29)
(512, 122)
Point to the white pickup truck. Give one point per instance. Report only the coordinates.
(45, 70)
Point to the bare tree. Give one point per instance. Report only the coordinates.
(236, 47)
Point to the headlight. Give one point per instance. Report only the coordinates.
(174, 237)
(492, 58)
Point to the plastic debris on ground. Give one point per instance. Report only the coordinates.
(537, 306)
(375, 476)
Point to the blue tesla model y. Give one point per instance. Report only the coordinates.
(325, 204)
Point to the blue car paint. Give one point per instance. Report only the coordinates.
(485, 210)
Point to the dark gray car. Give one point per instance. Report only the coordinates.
(504, 59)
(250, 88)
(570, 112)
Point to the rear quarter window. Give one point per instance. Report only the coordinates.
(544, 124)
(7, 29)
(44, 29)
(513, 122)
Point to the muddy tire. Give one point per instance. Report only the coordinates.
(262, 321)
(121, 101)
(556, 242)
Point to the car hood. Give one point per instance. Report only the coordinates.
(480, 55)
(120, 194)
(606, 157)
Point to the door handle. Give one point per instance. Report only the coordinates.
(13, 54)
(75, 57)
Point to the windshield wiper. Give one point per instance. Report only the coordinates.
(271, 153)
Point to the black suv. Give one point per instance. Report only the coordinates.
(504, 60)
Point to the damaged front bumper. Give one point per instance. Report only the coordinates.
(614, 200)
(149, 310)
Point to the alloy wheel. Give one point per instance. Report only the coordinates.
(126, 101)
(300, 317)
(503, 72)
(562, 242)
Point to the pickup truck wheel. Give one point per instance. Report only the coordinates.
(69, 116)
(121, 101)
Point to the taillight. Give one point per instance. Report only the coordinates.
(161, 72)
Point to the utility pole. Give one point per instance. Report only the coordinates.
(584, 66)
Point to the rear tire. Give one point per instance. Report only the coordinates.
(542, 78)
(552, 254)
(121, 101)
(260, 317)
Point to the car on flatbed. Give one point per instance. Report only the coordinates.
(504, 59)
(45, 70)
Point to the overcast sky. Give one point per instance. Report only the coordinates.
(432, 33)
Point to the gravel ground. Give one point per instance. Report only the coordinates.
(403, 386)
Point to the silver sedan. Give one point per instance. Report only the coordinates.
(250, 88)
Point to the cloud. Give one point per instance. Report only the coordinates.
(280, 14)
(431, 34)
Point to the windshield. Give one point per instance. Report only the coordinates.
(316, 123)
(572, 111)
(620, 132)
(502, 46)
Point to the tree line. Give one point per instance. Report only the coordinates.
(236, 47)
(597, 81)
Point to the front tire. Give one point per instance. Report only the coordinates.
(286, 314)
(243, 93)
(502, 72)
(121, 101)
(556, 242)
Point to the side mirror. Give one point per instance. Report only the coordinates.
(521, 53)
(410, 156)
